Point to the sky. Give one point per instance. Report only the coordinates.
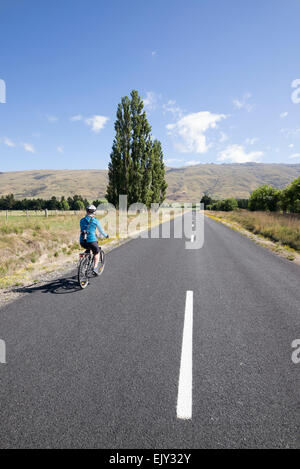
(220, 79)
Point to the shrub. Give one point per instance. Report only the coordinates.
(207, 201)
(264, 198)
(226, 205)
(229, 205)
(290, 197)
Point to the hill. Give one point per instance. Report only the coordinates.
(227, 180)
(186, 183)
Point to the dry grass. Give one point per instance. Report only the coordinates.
(25, 242)
(282, 228)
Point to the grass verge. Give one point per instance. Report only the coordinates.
(282, 230)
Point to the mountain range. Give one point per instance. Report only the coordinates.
(184, 184)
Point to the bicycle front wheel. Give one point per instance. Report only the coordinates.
(101, 262)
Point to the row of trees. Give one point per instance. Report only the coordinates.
(225, 205)
(264, 198)
(77, 202)
(136, 168)
(268, 198)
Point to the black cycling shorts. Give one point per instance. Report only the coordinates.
(94, 247)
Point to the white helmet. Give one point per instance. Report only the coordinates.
(91, 209)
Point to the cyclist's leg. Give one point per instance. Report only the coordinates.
(85, 245)
(96, 251)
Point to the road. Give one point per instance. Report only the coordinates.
(100, 367)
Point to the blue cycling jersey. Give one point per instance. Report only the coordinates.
(90, 224)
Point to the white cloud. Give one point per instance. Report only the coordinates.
(243, 102)
(191, 163)
(171, 161)
(153, 53)
(173, 108)
(295, 155)
(174, 160)
(78, 117)
(96, 122)
(28, 147)
(51, 119)
(8, 142)
(290, 132)
(151, 99)
(223, 137)
(283, 115)
(60, 149)
(191, 131)
(291, 145)
(237, 154)
(251, 141)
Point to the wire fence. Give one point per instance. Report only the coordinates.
(6, 214)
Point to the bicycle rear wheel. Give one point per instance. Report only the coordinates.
(83, 272)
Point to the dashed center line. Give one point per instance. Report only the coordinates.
(184, 398)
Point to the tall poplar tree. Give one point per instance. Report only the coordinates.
(158, 183)
(136, 167)
(119, 166)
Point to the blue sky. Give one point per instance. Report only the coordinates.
(216, 77)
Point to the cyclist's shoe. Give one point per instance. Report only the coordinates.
(98, 270)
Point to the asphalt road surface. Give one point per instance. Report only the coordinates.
(170, 348)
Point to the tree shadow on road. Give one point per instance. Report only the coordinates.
(59, 286)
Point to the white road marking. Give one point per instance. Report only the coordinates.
(184, 398)
(192, 238)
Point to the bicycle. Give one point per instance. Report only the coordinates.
(86, 265)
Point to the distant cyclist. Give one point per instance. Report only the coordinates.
(88, 237)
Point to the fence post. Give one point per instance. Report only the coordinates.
(46, 213)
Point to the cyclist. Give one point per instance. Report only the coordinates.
(88, 237)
